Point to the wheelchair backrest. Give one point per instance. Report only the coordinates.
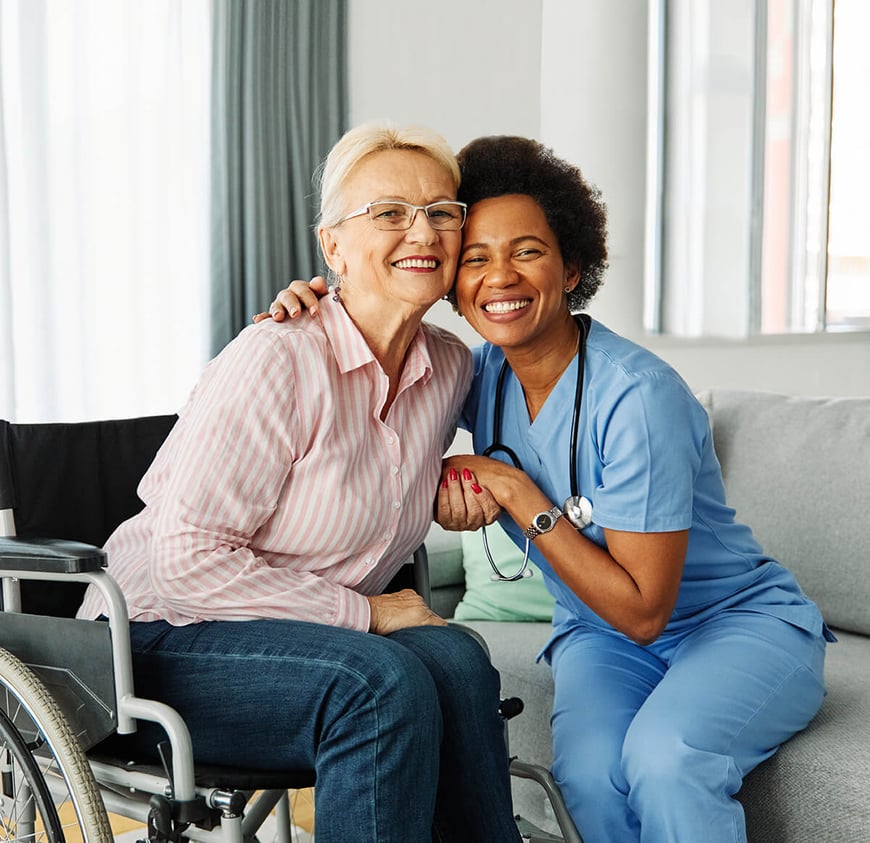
(74, 481)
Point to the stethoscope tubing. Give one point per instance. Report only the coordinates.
(579, 506)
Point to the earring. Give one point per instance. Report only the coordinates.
(336, 292)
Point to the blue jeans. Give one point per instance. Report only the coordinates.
(651, 743)
(403, 730)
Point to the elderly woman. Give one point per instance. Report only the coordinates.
(299, 477)
(682, 654)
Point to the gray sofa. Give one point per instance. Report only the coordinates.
(798, 471)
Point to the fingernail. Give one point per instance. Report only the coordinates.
(476, 489)
(466, 474)
(443, 484)
(453, 475)
(294, 312)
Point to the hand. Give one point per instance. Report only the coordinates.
(463, 504)
(390, 612)
(292, 300)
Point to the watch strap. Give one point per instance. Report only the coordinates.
(551, 516)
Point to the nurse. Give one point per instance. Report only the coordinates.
(682, 654)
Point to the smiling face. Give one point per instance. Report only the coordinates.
(512, 282)
(414, 267)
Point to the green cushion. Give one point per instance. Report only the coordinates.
(524, 600)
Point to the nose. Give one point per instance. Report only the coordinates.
(421, 230)
(501, 273)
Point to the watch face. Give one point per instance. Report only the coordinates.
(544, 521)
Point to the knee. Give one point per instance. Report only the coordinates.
(589, 776)
(395, 687)
(661, 758)
(459, 665)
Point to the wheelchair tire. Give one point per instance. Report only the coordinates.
(38, 746)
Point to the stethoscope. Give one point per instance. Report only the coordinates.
(577, 508)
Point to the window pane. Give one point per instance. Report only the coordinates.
(848, 291)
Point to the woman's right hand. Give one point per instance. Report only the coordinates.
(390, 612)
(292, 300)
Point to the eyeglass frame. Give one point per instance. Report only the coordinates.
(366, 209)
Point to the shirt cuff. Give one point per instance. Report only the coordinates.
(352, 610)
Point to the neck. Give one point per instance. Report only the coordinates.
(388, 332)
(538, 367)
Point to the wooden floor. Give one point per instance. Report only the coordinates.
(129, 831)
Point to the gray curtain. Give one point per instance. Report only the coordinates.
(279, 102)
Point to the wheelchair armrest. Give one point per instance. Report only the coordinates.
(49, 556)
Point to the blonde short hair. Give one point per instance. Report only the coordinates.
(364, 140)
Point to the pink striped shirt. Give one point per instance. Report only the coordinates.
(280, 493)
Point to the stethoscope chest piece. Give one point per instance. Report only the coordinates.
(578, 510)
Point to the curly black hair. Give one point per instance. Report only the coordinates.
(500, 165)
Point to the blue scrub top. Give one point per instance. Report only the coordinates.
(645, 460)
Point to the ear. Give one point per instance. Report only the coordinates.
(331, 248)
(572, 277)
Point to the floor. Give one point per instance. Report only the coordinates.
(301, 804)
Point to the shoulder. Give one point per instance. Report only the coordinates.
(442, 339)
(268, 339)
(446, 349)
(620, 370)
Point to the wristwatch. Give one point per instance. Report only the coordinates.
(543, 522)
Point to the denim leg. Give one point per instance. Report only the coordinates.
(474, 796)
(361, 709)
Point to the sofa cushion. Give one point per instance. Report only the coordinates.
(484, 599)
(815, 786)
(796, 470)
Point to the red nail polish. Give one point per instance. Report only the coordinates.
(453, 475)
(443, 484)
(476, 489)
(466, 474)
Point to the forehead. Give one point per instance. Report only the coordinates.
(506, 218)
(398, 174)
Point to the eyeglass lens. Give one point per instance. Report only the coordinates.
(444, 216)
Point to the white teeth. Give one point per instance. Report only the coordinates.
(416, 263)
(505, 306)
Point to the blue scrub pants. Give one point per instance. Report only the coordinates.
(651, 743)
(403, 730)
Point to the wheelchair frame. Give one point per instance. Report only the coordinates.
(171, 806)
(79, 705)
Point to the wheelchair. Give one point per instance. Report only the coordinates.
(66, 685)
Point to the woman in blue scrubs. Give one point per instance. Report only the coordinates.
(682, 655)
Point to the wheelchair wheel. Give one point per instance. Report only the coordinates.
(47, 790)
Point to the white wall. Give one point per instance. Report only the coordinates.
(572, 73)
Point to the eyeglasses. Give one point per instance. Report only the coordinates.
(399, 216)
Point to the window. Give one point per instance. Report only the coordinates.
(761, 166)
(103, 206)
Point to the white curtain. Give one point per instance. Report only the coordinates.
(104, 206)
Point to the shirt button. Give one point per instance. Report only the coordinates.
(395, 469)
(370, 560)
(397, 504)
(389, 440)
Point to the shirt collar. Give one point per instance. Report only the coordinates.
(352, 352)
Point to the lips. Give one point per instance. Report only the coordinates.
(417, 263)
(506, 306)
